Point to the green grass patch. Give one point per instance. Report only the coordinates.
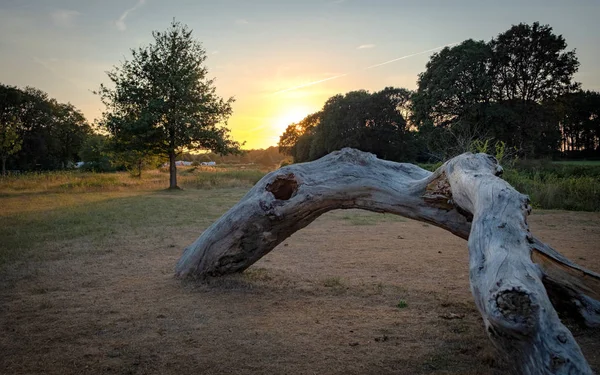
(564, 187)
(227, 178)
(49, 220)
(79, 181)
(591, 163)
(430, 166)
(543, 169)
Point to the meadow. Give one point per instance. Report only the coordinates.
(87, 286)
(554, 185)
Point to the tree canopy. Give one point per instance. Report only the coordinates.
(10, 142)
(530, 63)
(455, 83)
(163, 103)
(37, 131)
(504, 89)
(371, 122)
(516, 90)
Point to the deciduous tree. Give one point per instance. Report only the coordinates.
(10, 142)
(454, 86)
(163, 101)
(531, 63)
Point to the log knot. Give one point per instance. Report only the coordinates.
(517, 307)
(283, 187)
(557, 362)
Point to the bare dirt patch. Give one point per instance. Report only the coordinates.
(353, 293)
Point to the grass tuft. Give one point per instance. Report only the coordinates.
(333, 282)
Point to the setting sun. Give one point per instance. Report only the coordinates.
(290, 116)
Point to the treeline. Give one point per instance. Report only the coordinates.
(38, 132)
(160, 104)
(516, 90)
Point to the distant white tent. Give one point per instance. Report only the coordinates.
(181, 163)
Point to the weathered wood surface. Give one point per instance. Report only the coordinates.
(512, 273)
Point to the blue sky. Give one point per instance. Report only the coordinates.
(257, 48)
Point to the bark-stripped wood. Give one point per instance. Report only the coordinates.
(512, 273)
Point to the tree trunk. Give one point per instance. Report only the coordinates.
(465, 197)
(172, 171)
(3, 166)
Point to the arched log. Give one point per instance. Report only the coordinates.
(512, 273)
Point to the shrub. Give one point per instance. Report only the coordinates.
(551, 191)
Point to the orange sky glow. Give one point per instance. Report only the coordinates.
(280, 59)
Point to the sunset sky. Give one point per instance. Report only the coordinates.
(258, 50)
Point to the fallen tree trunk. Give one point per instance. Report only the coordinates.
(512, 274)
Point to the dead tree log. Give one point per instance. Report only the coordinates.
(513, 275)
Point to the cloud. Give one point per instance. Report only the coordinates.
(365, 46)
(64, 17)
(241, 22)
(120, 23)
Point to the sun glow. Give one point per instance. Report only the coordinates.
(289, 116)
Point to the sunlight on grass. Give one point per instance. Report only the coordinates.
(43, 210)
(75, 181)
(99, 216)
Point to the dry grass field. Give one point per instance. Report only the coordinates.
(86, 286)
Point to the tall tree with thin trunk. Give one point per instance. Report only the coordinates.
(162, 101)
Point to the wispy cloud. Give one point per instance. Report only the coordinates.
(366, 46)
(64, 17)
(368, 67)
(241, 21)
(120, 23)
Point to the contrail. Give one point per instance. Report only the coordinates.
(407, 56)
(368, 67)
(121, 21)
(308, 84)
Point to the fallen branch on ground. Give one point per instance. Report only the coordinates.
(513, 275)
